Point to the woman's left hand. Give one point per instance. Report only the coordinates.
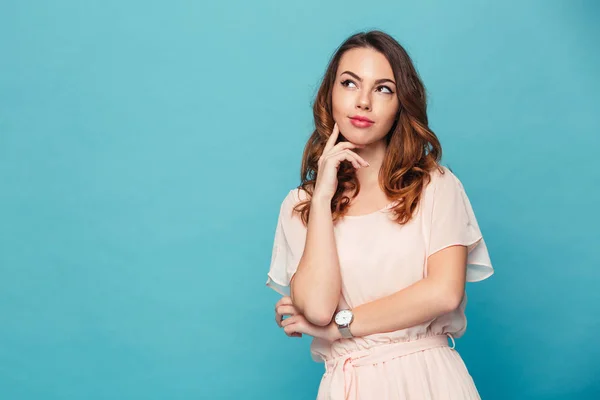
(296, 324)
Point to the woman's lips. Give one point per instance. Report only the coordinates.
(360, 124)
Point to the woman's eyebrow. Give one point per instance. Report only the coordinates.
(360, 79)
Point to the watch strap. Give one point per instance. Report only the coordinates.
(345, 331)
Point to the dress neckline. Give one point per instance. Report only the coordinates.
(389, 205)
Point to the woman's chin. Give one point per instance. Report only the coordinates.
(357, 139)
(352, 136)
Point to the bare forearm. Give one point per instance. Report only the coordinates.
(316, 285)
(421, 302)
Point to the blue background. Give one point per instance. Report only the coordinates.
(145, 148)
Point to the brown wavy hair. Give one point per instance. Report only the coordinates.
(413, 150)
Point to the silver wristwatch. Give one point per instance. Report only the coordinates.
(343, 319)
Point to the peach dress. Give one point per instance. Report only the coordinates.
(377, 258)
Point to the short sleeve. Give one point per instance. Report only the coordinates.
(288, 245)
(452, 222)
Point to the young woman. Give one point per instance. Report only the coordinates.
(373, 249)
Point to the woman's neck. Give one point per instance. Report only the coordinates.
(374, 154)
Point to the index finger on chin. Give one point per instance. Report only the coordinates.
(332, 138)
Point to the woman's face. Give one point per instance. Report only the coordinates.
(365, 87)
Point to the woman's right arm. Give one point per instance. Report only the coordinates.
(316, 286)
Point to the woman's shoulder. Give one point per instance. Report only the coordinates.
(442, 175)
(292, 198)
(441, 172)
(443, 183)
(296, 195)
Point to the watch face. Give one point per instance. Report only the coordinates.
(344, 317)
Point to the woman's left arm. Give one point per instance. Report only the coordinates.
(439, 293)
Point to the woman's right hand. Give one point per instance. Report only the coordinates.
(329, 162)
(284, 306)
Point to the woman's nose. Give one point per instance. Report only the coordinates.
(364, 105)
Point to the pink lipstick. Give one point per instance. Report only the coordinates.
(360, 121)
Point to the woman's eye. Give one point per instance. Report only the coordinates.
(347, 82)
